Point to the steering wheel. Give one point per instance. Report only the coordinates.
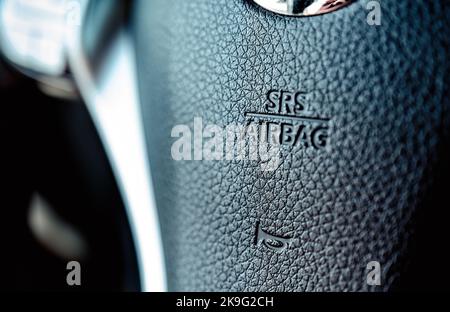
(274, 145)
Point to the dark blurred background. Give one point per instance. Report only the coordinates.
(58, 198)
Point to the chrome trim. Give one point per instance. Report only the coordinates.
(113, 101)
(302, 7)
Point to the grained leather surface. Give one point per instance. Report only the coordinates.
(385, 89)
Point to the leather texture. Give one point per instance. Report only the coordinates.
(363, 198)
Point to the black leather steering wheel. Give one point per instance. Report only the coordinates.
(360, 178)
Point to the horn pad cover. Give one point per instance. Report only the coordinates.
(369, 193)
